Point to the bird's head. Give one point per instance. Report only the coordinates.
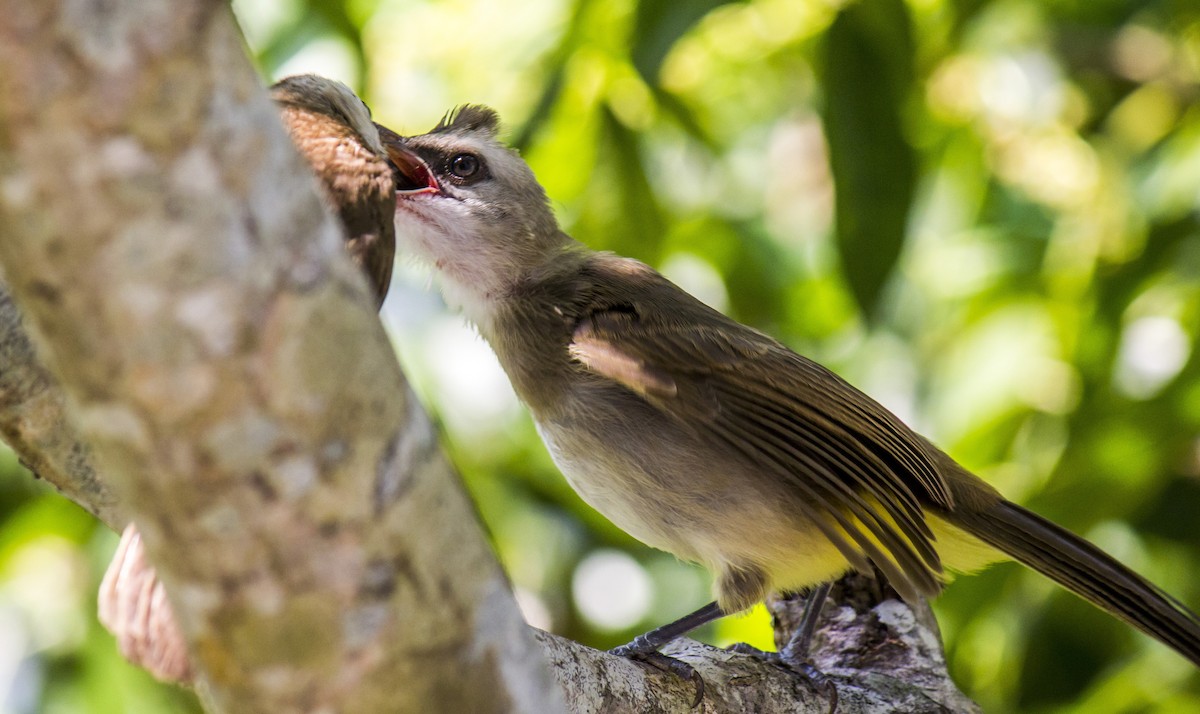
(333, 131)
(470, 206)
(328, 98)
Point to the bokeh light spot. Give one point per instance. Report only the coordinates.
(611, 590)
(1153, 350)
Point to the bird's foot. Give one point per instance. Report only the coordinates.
(820, 682)
(751, 650)
(643, 652)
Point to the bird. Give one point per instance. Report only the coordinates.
(332, 130)
(701, 436)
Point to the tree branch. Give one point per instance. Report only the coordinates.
(882, 656)
(33, 421)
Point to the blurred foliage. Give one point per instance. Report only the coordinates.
(982, 212)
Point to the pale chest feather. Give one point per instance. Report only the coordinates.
(624, 487)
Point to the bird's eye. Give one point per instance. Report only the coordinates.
(464, 166)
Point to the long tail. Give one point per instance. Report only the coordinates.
(1086, 571)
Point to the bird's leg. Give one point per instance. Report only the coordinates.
(795, 654)
(799, 642)
(796, 649)
(661, 636)
(644, 648)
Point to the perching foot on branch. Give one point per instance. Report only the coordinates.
(644, 648)
(646, 652)
(801, 667)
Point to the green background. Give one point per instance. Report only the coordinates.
(983, 213)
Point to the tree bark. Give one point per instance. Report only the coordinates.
(220, 354)
(33, 421)
(880, 654)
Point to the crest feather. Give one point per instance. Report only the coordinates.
(469, 118)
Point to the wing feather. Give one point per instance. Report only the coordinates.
(862, 474)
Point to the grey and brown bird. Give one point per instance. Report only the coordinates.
(703, 437)
(332, 130)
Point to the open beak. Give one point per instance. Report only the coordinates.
(412, 174)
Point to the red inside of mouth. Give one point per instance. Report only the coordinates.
(412, 175)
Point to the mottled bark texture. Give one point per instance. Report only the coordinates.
(33, 421)
(881, 655)
(221, 355)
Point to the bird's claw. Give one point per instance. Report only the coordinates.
(821, 683)
(664, 663)
(748, 649)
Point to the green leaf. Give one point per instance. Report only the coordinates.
(317, 18)
(639, 228)
(660, 23)
(867, 75)
(552, 86)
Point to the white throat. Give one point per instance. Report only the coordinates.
(441, 234)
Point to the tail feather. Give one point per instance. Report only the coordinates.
(1086, 571)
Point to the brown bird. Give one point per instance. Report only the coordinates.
(703, 437)
(332, 129)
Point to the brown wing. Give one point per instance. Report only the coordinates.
(844, 454)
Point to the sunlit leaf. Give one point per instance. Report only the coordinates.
(315, 19)
(637, 227)
(553, 84)
(659, 24)
(867, 75)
